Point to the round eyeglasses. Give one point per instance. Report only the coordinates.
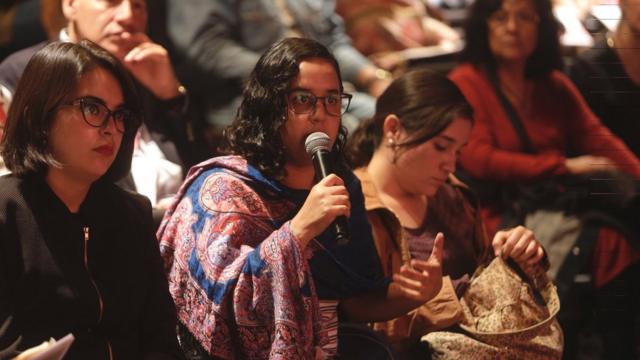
(304, 102)
(95, 113)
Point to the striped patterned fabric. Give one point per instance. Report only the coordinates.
(329, 321)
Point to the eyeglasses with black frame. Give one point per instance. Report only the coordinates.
(304, 102)
(95, 113)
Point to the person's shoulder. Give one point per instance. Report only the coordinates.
(224, 175)
(363, 176)
(590, 65)
(558, 77)
(9, 185)
(139, 201)
(127, 200)
(229, 185)
(473, 82)
(599, 52)
(7, 179)
(559, 84)
(465, 71)
(230, 166)
(468, 77)
(13, 66)
(11, 196)
(369, 191)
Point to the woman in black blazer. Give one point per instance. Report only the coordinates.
(78, 254)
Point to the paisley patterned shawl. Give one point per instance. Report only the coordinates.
(241, 283)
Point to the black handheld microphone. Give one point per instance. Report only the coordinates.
(318, 147)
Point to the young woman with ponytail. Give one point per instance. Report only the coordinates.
(405, 157)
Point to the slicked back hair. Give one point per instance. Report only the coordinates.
(426, 103)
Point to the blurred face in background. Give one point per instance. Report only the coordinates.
(112, 24)
(513, 31)
(422, 169)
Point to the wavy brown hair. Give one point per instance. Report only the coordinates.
(255, 132)
(545, 57)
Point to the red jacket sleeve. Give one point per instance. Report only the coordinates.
(588, 135)
(494, 151)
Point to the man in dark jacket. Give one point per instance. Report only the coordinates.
(608, 76)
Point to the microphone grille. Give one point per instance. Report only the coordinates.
(317, 141)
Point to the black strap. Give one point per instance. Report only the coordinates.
(577, 258)
(511, 113)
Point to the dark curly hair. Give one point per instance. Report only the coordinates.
(50, 78)
(426, 102)
(546, 56)
(255, 132)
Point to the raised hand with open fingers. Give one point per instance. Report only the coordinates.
(422, 280)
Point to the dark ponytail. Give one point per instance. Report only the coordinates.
(426, 103)
(363, 143)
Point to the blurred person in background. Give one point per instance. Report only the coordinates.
(538, 154)
(21, 25)
(219, 42)
(380, 29)
(608, 76)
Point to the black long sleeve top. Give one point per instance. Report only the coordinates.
(96, 273)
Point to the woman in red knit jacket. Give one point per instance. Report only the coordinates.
(510, 77)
